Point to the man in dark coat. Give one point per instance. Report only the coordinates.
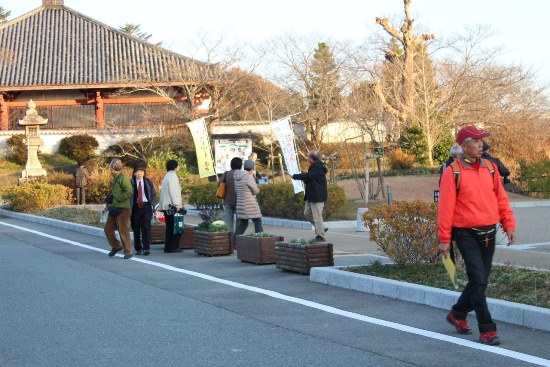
(316, 193)
(502, 169)
(143, 203)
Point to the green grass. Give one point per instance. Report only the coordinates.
(9, 167)
(56, 160)
(348, 212)
(506, 283)
(74, 215)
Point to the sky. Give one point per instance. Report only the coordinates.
(519, 26)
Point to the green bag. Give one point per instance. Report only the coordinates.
(178, 224)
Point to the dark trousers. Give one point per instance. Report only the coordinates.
(171, 240)
(141, 226)
(477, 253)
(242, 225)
(80, 194)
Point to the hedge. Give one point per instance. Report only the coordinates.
(406, 231)
(275, 200)
(33, 197)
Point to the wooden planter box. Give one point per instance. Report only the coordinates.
(257, 250)
(301, 258)
(212, 243)
(157, 234)
(186, 239)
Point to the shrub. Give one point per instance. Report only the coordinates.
(400, 160)
(78, 147)
(204, 196)
(413, 143)
(8, 167)
(18, 149)
(406, 231)
(278, 200)
(534, 178)
(34, 197)
(61, 178)
(98, 187)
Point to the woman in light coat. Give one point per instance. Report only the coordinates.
(247, 205)
(170, 194)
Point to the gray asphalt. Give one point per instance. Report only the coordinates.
(62, 305)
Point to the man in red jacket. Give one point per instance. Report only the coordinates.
(472, 201)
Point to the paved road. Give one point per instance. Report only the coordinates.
(66, 305)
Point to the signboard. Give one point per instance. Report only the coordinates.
(227, 149)
(285, 135)
(202, 147)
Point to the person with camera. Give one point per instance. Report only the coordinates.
(144, 200)
(170, 203)
(118, 204)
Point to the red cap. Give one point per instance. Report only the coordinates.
(470, 131)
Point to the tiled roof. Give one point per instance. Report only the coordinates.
(57, 47)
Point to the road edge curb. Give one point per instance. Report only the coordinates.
(510, 312)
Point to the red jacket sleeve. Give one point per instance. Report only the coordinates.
(446, 206)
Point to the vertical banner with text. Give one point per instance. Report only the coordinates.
(202, 147)
(283, 130)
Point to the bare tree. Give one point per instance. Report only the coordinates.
(402, 107)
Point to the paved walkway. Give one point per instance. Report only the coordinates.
(65, 303)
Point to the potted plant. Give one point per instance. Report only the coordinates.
(211, 237)
(257, 248)
(300, 255)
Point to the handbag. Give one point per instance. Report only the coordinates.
(222, 189)
(178, 224)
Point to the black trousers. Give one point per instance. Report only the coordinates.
(242, 225)
(477, 252)
(171, 240)
(141, 226)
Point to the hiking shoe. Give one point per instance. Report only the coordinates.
(489, 338)
(114, 251)
(146, 253)
(126, 257)
(139, 252)
(461, 325)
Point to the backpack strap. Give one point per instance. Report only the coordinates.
(457, 172)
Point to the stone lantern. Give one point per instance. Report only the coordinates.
(33, 169)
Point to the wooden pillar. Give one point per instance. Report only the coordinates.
(99, 111)
(4, 120)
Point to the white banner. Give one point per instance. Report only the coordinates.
(283, 130)
(202, 147)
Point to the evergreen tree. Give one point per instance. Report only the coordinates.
(413, 142)
(135, 30)
(324, 94)
(4, 14)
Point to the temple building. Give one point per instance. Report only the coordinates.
(85, 75)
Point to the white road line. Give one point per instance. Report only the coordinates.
(318, 306)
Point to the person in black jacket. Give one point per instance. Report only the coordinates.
(144, 201)
(316, 193)
(502, 169)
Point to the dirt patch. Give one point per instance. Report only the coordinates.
(410, 188)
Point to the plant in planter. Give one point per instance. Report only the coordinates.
(257, 248)
(211, 237)
(300, 255)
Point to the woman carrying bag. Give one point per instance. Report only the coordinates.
(170, 203)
